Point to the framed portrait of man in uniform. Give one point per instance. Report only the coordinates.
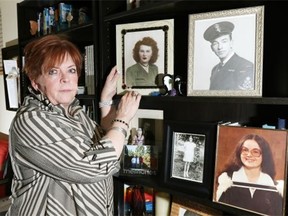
(225, 53)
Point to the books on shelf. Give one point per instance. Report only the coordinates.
(65, 15)
(53, 19)
(89, 69)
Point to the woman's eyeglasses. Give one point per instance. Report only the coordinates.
(254, 152)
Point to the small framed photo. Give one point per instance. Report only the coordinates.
(185, 207)
(144, 55)
(140, 160)
(251, 169)
(144, 143)
(150, 123)
(225, 56)
(138, 200)
(189, 157)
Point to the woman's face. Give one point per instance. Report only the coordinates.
(60, 83)
(145, 54)
(251, 154)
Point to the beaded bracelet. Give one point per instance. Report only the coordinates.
(121, 121)
(105, 103)
(122, 130)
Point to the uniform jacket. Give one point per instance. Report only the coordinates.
(136, 75)
(236, 74)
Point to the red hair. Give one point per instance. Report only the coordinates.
(44, 53)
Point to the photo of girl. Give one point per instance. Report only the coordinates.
(252, 178)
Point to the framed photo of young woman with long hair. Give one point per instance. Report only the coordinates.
(251, 170)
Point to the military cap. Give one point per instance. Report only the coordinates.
(218, 29)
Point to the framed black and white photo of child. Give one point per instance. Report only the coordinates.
(144, 55)
(189, 160)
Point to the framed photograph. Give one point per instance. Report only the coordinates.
(251, 169)
(151, 124)
(144, 143)
(11, 77)
(189, 157)
(138, 200)
(144, 55)
(225, 56)
(185, 207)
(140, 160)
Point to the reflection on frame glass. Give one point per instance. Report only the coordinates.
(222, 60)
(250, 169)
(144, 55)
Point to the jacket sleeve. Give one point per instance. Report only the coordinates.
(56, 146)
(224, 182)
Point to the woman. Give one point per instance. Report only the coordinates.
(138, 137)
(63, 161)
(189, 152)
(248, 180)
(144, 72)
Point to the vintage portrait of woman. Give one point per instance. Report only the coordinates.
(144, 55)
(144, 71)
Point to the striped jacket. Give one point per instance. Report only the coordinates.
(61, 164)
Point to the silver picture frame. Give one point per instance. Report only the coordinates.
(247, 37)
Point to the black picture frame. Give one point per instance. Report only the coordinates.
(202, 188)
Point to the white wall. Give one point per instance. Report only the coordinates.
(9, 30)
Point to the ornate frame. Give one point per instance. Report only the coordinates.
(201, 59)
(162, 31)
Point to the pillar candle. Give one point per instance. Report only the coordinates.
(162, 204)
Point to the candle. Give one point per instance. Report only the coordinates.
(162, 204)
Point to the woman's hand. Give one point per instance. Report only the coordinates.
(128, 106)
(109, 89)
(126, 110)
